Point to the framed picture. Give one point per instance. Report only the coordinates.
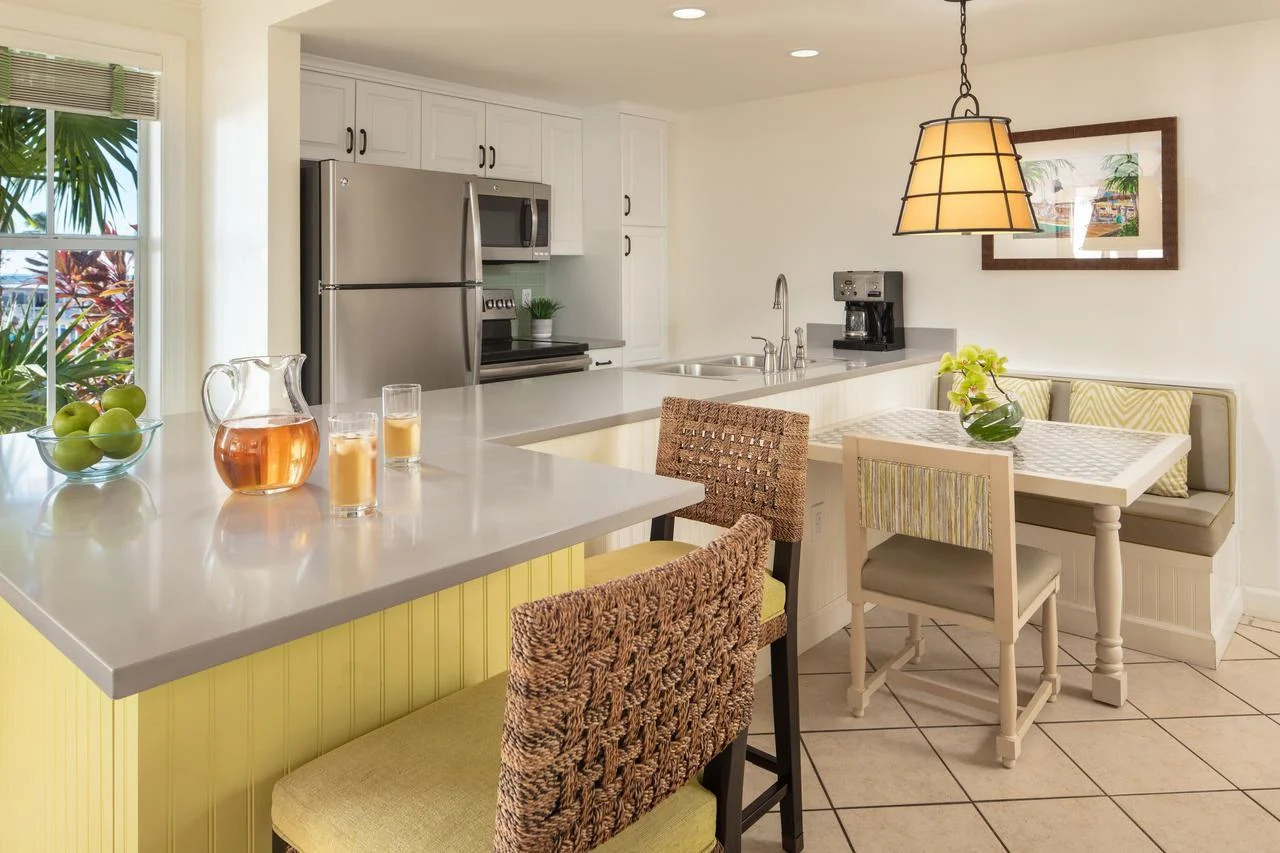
(1105, 195)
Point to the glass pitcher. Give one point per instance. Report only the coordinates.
(267, 441)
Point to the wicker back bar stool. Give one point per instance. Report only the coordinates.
(621, 727)
(750, 460)
(951, 554)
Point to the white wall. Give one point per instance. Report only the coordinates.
(811, 183)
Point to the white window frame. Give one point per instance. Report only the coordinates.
(167, 326)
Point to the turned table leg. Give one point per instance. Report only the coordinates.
(1110, 682)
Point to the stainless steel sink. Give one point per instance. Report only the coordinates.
(700, 370)
(755, 362)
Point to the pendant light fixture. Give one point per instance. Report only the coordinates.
(965, 178)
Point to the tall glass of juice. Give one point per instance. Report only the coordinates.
(402, 425)
(353, 464)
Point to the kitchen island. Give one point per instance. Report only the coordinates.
(168, 650)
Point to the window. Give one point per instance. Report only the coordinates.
(70, 235)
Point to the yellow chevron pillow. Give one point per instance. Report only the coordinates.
(1033, 394)
(1155, 410)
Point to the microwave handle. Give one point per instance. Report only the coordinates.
(473, 250)
(528, 222)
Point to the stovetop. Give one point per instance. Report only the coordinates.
(500, 350)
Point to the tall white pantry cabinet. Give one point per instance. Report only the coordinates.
(618, 288)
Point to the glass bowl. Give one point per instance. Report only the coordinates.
(105, 469)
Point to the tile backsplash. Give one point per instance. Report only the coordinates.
(519, 277)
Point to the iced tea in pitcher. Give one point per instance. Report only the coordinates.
(267, 441)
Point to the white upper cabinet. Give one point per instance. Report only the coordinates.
(644, 171)
(328, 117)
(562, 169)
(514, 140)
(388, 125)
(644, 294)
(453, 137)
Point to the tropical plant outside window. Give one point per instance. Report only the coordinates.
(68, 252)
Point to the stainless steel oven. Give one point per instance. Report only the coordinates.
(515, 220)
(505, 356)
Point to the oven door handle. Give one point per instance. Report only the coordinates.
(534, 367)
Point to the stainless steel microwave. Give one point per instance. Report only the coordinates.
(515, 220)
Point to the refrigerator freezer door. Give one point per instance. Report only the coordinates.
(385, 225)
(375, 336)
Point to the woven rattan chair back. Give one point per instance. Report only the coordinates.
(750, 460)
(621, 693)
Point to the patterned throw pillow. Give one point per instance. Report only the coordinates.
(1155, 410)
(1033, 394)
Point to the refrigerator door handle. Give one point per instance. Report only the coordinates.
(471, 326)
(473, 249)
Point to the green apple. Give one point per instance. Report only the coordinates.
(73, 417)
(75, 451)
(104, 433)
(128, 397)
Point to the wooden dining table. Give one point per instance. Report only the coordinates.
(1108, 468)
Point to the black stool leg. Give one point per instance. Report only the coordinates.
(786, 701)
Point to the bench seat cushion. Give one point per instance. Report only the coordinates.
(1197, 524)
(625, 562)
(950, 576)
(429, 781)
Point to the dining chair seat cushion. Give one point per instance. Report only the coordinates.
(625, 562)
(429, 781)
(950, 576)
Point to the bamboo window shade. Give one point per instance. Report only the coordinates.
(57, 82)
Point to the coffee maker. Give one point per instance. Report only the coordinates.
(872, 310)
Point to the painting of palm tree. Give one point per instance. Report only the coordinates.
(1045, 181)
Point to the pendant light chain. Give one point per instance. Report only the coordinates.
(965, 86)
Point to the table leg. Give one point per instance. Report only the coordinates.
(1110, 681)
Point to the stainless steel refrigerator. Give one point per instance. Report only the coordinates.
(391, 271)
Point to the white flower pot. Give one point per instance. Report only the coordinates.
(541, 328)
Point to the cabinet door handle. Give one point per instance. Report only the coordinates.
(604, 363)
(627, 253)
(481, 147)
(364, 142)
(626, 205)
(493, 157)
(351, 140)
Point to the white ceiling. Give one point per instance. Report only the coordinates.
(597, 51)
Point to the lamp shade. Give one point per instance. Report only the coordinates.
(965, 179)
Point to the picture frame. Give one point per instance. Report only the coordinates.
(1094, 189)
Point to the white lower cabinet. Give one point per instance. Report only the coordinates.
(644, 294)
(605, 359)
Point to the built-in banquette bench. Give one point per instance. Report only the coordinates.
(1181, 565)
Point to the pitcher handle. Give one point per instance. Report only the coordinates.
(214, 419)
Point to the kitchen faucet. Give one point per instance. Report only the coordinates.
(780, 299)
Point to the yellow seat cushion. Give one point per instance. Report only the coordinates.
(634, 559)
(429, 782)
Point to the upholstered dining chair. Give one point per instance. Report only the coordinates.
(750, 460)
(621, 728)
(951, 554)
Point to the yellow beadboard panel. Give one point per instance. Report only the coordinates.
(189, 766)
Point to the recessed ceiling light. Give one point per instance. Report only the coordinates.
(689, 14)
(804, 54)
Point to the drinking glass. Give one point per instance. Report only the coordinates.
(402, 425)
(353, 464)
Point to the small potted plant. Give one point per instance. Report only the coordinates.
(541, 311)
(987, 412)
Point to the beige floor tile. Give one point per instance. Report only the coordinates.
(1189, 823)
(1255, 681)
(1084, 650)
(1094, 824)
(824, 707)
(1269, 640)
(883, 617)
(919, 829)
(985, 649)
(831, 655)
(928, 709)
(757, 779)
(1042, 770)
(881, 768)
(1261, 623)
(1242, 648)
(1134, 757)
(1244, 749)
(822, 834)
(939, 651)
(1178, 690)
(1270, 800)
(1075, 703)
